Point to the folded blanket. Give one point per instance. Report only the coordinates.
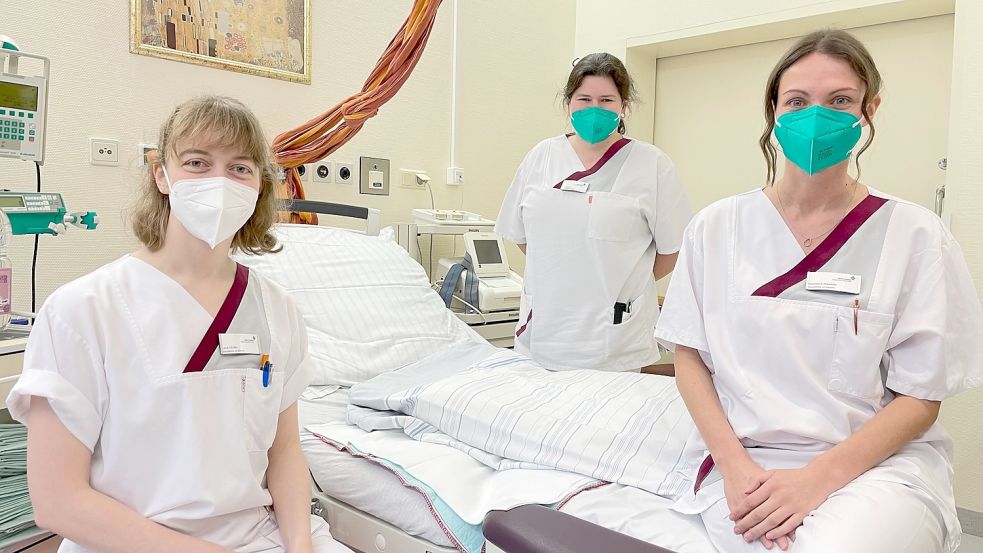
(508, 412)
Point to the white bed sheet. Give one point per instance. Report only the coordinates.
(376, 491)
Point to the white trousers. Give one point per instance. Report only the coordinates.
(272, 542)
(864, 517)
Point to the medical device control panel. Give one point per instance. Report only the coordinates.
(42, 213)
(23, 103)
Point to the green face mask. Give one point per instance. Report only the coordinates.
(594, 124)
(817, 137)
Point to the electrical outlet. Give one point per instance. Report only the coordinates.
(373, 176)
(322, 172)
(344, 173)
(455, 176)
(103, 151)
(305, 172)
(412, 178)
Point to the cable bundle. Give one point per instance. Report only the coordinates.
(327, 132)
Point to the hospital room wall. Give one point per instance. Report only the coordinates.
(964, 202)
(601, 26)
(99, 89)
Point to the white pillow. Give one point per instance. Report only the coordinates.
(368, 306)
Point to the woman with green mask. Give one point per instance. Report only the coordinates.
(600, 217)
(817, 325)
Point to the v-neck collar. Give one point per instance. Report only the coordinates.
(177, 285)
(608, 154)
(825, 250)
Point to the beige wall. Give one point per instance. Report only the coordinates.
(964, 188)
(607, 25)
(603, 26)
(99, 89)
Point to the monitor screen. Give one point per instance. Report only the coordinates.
(11, 201)
(18, 96)
(487, 252)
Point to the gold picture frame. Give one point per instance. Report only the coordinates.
(257, 37)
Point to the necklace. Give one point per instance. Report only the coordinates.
(807, 243)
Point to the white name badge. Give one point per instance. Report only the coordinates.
(575, 186)
(833, 282)
(237, 344)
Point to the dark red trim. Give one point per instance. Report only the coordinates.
(221, 323)
(613, 149)
(702, 474)
(524, 325)
(818, 257)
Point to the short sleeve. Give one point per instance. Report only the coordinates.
(65, 369)
(935, 350)
(509, 224)
(300, 365)
(672, 209)
(681, 321)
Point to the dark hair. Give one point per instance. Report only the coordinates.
(833, 43)
(603, 65)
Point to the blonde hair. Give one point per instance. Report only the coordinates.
(232, 124)
(835, 44)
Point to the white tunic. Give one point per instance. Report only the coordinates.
(186, 450)
(589, 248)
(795, 374)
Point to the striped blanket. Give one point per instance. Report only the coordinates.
(508, 412)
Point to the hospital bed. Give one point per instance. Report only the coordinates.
(370, 507)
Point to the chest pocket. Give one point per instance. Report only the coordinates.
(260, 408)
(611, 216)
(857, 353)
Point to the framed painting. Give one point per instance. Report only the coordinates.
(268, 38)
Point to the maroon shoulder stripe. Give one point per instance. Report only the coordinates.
(613, 149)
(221, 323)
(705, 468)
(524, 325)
(818, 257)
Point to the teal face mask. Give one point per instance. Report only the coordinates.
(594, 124)
(817, 137)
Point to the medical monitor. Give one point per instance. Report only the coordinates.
(487, 253)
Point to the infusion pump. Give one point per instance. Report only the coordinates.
(23, 107)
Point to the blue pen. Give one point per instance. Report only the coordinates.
(266, 374)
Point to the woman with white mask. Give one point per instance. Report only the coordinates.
(160, 390)
(600, 217)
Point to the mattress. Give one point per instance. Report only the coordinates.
(362, 484)
(376, 491)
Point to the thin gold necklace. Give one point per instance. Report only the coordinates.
(807, 243)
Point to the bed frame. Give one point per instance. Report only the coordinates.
(372, 217)
(356, 529)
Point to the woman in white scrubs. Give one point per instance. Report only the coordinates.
(160, 390)
(817, 325)
(600, 218)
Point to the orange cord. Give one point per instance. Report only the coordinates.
(324, 134)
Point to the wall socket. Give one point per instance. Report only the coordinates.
(321, 172)
(344, 172)
(415, 179)
(373, 176)
(455, 176)
(305, 172)
(103, 151)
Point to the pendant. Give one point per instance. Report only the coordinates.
(807, 242)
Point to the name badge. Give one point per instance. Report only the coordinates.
(238, 344)
(833, 282)
(575, 186)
